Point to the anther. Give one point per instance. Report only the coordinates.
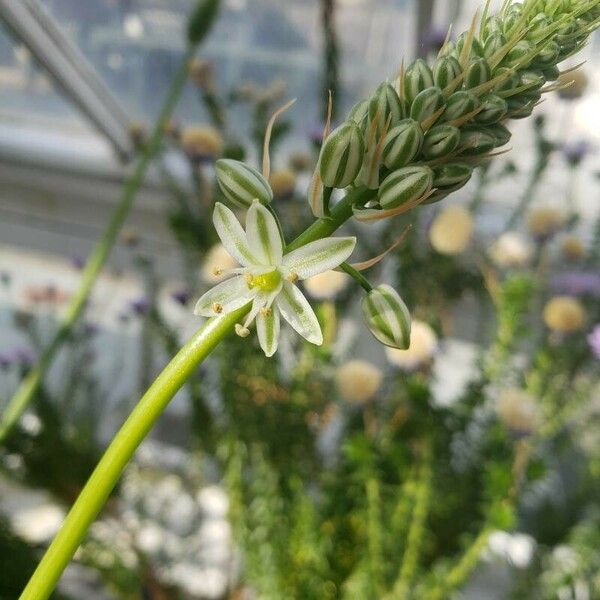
(217, 308)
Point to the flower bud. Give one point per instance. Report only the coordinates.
(474, 142)
(520, 107)
(426, 104)
(445, 71)
(459, 104)
(494, 42)
(359, 112)
(510, 82)
(201, 20)
(547, 56)
(476, 47)
(518, 53)
(500, 133)
(441, 140)
(451, 174)
(405, 185)
(534, 80)
(417, 78)
(385, 102)
(341, 155)
(242, 184)
(551, 73)
(478, 72)
(494, 109)
(537, 26)
(492, 26)
(402, 144)
(387, 317)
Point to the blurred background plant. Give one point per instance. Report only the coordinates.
(466, 463)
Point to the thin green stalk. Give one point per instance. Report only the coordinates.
(149, 408)
(417, 530)
(375, 535)
(357, 276)
(30, 384)
(109, 469)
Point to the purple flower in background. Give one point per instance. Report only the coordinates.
(181, 296)
(577, 283)
(5, 360)
(575, 152)
(594, 341)
(78, 262)
(25, 356)
(140, 306)
(434, 39)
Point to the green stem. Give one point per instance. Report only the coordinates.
(134, 430)
(357, 276)
(149, 408)
(30, 384)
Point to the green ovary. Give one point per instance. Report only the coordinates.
(267, 282)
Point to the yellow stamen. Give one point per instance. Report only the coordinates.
(241, 330)
(217, 308)
(292, 277)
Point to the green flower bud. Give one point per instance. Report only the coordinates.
(405, 185)
(517, 53)
(418, 77)
(534, 80)
(547, 56)
(478, 72)
(341, 155)
(451, 174)
(448, 50)
(426, 104)
(385, 102)
(494, 43)
(441, 140)
(402, 144)
(476, 47)
(551, 73)
(359, 112)
(537, 26)
(387, 317)
(511, 82)
(201, 20)
(520, 107)
(500, 133)
(445, 71)
(459, 104)
(241, 184)
(494, 109)
(474, 142)
(492, 26)
(442, 193)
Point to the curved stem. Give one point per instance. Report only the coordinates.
(122, 447)
(149, 408)
(97, 259)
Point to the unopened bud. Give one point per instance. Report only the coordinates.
(451, 174)
(426, 104)
(385, 104)
(445, 71)
(359, 112)
(342, 155)
(405, 185)
(494, 42)
(478, 73)
(500, 133)
(201, 20)
(548, 55)
(534, 80)
(387, 317)
(474, 142)
(518, 54)
(441, 140)
(402, 144)
(418, 77)
(242, 184)
(476, 47)
(494, 109)
(459, 104)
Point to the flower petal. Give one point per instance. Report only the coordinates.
(296, 310)
(224, 297)
(267, 327)
(232, 235)
(321, 255)
(263, 235)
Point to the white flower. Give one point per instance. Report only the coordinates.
(451, 230)
(267, 277)
(326, 285)
(358, 380)
(510, 250)
(423, 344)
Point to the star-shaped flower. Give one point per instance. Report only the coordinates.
(267, 277)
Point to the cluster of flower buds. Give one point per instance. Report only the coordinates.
(417, 139)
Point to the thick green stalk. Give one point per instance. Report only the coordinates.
(26, 391)
(134, 430)
(111, 465)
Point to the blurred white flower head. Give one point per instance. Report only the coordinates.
(511, 249)
(517, 410)
(358, 381)
(326, 285)
(423, 345)
(451, 230)
(517, 548)
(38, 524)
(217, 262)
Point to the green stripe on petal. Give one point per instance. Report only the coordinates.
(387, 317)
(232, 235)
(224, 298)
(296, 310)
(267, 327)
(319, 256)
(241, 183)
(263, 235)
